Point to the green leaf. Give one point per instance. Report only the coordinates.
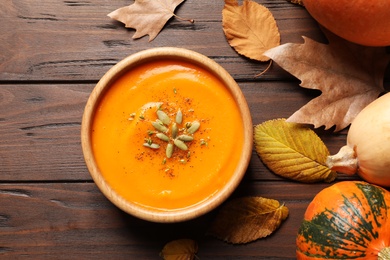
(292, 151)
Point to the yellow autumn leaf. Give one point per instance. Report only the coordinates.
(293, 151)
(246, 219)
(180, 249)
(250, 29)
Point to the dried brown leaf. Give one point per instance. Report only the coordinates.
(180, 249)
(350, 77)
(147, 17)
(246, 219)
(250, 29)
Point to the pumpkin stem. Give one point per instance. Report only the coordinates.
(345, 161)
(384, 254)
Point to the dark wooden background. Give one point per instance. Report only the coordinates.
(52, 53)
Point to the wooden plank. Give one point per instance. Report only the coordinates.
(51, 55)
(74, 220)
(40, 127)
(75, 40)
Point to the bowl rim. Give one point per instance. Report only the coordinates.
(98, 93)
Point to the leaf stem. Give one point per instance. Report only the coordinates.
(264, 71)
(183, 19)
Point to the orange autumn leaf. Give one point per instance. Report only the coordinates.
(350, 76)
(250, 29)
(247, 219)
(180, 249)
(147, 17)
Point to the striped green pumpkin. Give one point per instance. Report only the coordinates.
(348, 220)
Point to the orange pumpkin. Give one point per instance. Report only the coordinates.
(348, 220)
(366, 22)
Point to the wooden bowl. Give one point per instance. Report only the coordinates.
(101, 175)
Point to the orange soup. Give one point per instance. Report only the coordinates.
(167, 135)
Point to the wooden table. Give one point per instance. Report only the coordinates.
(52, 53)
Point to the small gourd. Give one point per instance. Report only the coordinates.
(348, 220)
(367, 152)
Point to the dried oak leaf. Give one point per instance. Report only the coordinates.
(293, 151)
(250, 29)
(246, 219)
(180, 249)
(147, 17)
(350, 77)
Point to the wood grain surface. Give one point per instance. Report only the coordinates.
(52, 53)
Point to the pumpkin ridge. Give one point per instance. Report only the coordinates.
(361, 242)
(322, 233)
(376, 200)
(367, 226)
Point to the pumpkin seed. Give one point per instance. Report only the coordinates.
(179, 117)
(180, 144)
(185, 138)
(203, 142)
(175, 130)
(164, 118)
(163, 137)
(148, 140)
(159, 126)
(169, 150)
(194, 127)
(132, 115)
(153, 145)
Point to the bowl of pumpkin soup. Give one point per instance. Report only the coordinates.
(167, 134)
